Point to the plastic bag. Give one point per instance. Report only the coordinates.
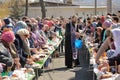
(78, 43)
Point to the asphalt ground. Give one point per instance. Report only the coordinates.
(58, 71)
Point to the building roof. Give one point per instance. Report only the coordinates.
(61, 5)
(48, 4)
(86, 7)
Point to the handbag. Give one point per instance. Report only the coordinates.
(78, 44)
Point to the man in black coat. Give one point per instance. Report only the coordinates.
(70, 36)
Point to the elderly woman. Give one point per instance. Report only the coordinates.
(32, 40)
(98, 35)
(22, 45)
(112, 42)
(106, 25)
(38, 38)
(42, 32)
(8, 53)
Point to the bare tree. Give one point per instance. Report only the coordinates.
(26, 8)
(42, 8)
(17, 9)
(95, 7)
(109, 6)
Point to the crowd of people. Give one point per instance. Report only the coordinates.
(20, 39)
(103, 31)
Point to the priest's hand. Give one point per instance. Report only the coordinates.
(77, 35)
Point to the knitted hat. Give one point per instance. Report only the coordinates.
(8, 36)
(23, 32)
(6, 20)
(107, 23)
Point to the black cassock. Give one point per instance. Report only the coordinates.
(68, 48)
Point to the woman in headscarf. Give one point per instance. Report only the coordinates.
(42, 32)
(22, 45)
(106, 25)
(32, 40)
(19, 25)
(38, 38)
(7, 40)
(112, 41)
(98, 35)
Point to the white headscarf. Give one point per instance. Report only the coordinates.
(116, 37)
